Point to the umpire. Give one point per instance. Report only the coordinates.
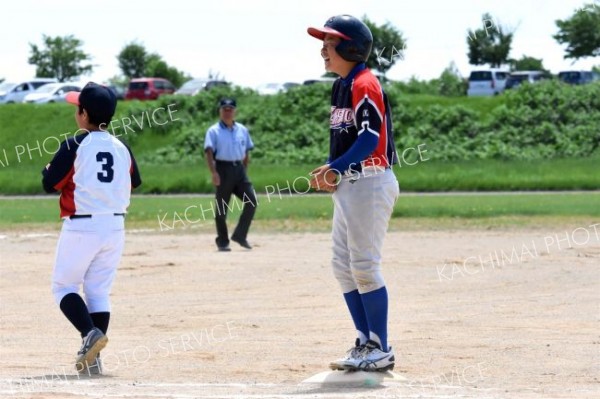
(227, 145)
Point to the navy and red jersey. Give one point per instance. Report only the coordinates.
(360, 124)
(94, 172)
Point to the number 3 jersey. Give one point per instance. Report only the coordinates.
(94, 172)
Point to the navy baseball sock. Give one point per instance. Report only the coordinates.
(357, 311)
(74, 309)
(376, 310)
(101, 320)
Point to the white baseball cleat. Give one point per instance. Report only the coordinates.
(372, 358)
(351, 360)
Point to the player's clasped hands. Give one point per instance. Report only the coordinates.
(324, 178)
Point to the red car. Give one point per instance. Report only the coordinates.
(148, 88)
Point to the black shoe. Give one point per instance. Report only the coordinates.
(221, 247)
(243, 243)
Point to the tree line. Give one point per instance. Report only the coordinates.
(63, 57)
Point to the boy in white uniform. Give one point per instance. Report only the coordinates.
(94, 173)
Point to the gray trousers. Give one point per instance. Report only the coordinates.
(362, 210)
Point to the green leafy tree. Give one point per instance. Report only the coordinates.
(527, 63)
(132, 60)
(388, 46)
(135, 61)
(489, 44)
(157, 67)
(60, 58)
(581, 32)
(451, 83)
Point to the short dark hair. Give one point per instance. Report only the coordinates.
(96, 120)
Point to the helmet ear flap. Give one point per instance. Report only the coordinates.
(349, 50)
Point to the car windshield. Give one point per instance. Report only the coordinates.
(37, 84)
(138, 85)
(193, 85)
(518, 78)
(477, 76)
(48, 88)
(569, 76)
(6, 86)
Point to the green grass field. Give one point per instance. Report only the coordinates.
(428, 176)
(277, 212)
(28, 139)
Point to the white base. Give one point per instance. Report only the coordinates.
(355, 378)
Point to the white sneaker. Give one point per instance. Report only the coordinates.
(351, 360)
(372, 358)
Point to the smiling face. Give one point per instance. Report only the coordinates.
(333, 61)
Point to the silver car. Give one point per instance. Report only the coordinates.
(16, 92)
(51, 93)
(194, 86)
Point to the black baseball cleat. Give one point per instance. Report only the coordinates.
(242, 243)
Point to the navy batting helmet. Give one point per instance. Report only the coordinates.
(357, 39)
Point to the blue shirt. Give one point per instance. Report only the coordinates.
(228, 144)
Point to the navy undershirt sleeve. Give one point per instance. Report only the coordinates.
(364, 145)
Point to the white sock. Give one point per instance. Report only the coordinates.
(362, 338)
(374, 337)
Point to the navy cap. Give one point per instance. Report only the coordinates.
(227, 102)
(95, 99)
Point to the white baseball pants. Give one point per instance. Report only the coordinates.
(362, 210)
(88, 253)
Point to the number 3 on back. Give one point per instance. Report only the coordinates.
(107, 174)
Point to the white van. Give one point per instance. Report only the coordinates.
(487, 82)
(16, 92)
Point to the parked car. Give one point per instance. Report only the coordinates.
(148, 88)
(16, 92)
(518, 77)
(118, 90)
(51, 93)
(487, 82)
(274, 88)
(194, 86)
(578, 77)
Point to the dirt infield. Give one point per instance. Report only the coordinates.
(473, 314)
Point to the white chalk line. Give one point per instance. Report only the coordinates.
(108, 388)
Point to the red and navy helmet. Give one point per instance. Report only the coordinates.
(357, 39)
